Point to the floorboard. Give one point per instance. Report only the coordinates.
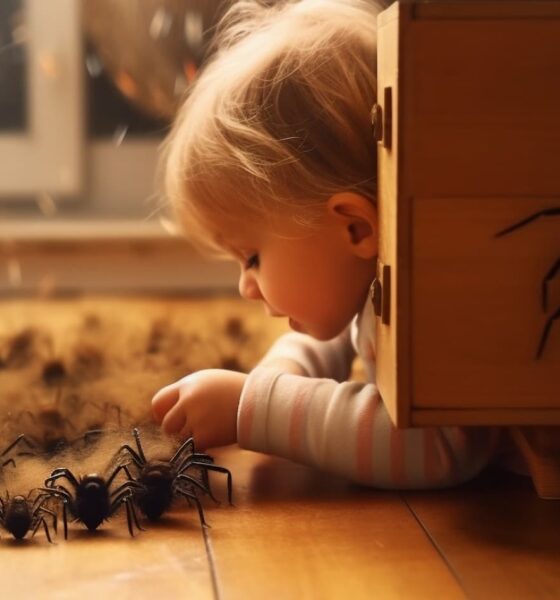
(295, 533)
(498, 538)
(164, 562)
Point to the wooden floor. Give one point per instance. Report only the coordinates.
(296, 534)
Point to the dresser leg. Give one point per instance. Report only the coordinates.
(540, 447)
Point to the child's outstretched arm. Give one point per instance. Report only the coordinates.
(344, 428)
(205, 404)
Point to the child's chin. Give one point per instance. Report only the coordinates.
(296, 326)
(322, 334)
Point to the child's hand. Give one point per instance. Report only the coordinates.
(202, 405)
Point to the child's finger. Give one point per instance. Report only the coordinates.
(174, 421)
(163, 401)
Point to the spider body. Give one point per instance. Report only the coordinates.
(92, 499)
(18, 515)
(163, 480)
(155, 499)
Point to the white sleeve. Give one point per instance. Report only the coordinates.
(332, 358)
(344, 428)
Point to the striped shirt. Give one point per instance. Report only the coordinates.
(341, 426)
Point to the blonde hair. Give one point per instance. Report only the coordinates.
(279, 119)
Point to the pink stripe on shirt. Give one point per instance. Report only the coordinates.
(397, 449)
(297, 423)
(364, 440)
(246, 414)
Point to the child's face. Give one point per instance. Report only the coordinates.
(310, 277)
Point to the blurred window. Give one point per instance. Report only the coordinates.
(79, 86)
(41, 99)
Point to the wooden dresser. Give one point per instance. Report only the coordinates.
(468, 131)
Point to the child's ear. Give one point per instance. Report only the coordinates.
(358, 215)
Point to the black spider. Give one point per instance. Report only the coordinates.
(162, 480)
(92, 500)
(551, 273)
(19, 515)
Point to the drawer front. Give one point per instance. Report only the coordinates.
(478, 318)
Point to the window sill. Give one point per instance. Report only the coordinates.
(41, 258)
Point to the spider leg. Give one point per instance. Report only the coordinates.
(186, 445)
(546, 331)
(128, 516)
(182, 477)
(190, 496)
(220, 470)
(36, 524)
(40, 500)
(59, 492)
(126, 497)
(136, 434)
(547, 212)
(30, 493)
(131, 519)
(61, 472)
(88, 436)
(128, 473)
(45, 526)
(206, 458)
(65, 497)
(548, 277)
(132, 511)
(48, 511)
(128, 486)
(9, 461)
(20, 438)
(65, 518)
(136, 458)
(117, 470)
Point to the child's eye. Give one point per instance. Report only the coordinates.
(252, 262)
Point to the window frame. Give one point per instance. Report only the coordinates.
(48, 156)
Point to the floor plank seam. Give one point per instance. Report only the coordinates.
(436, 546)
(212, 565)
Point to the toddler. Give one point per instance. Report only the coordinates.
(272, 162)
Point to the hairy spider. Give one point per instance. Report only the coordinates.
(92, 500)
(162, 480)
(19, 515)
(551, 273)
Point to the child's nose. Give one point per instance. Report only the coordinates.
(248, 287)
